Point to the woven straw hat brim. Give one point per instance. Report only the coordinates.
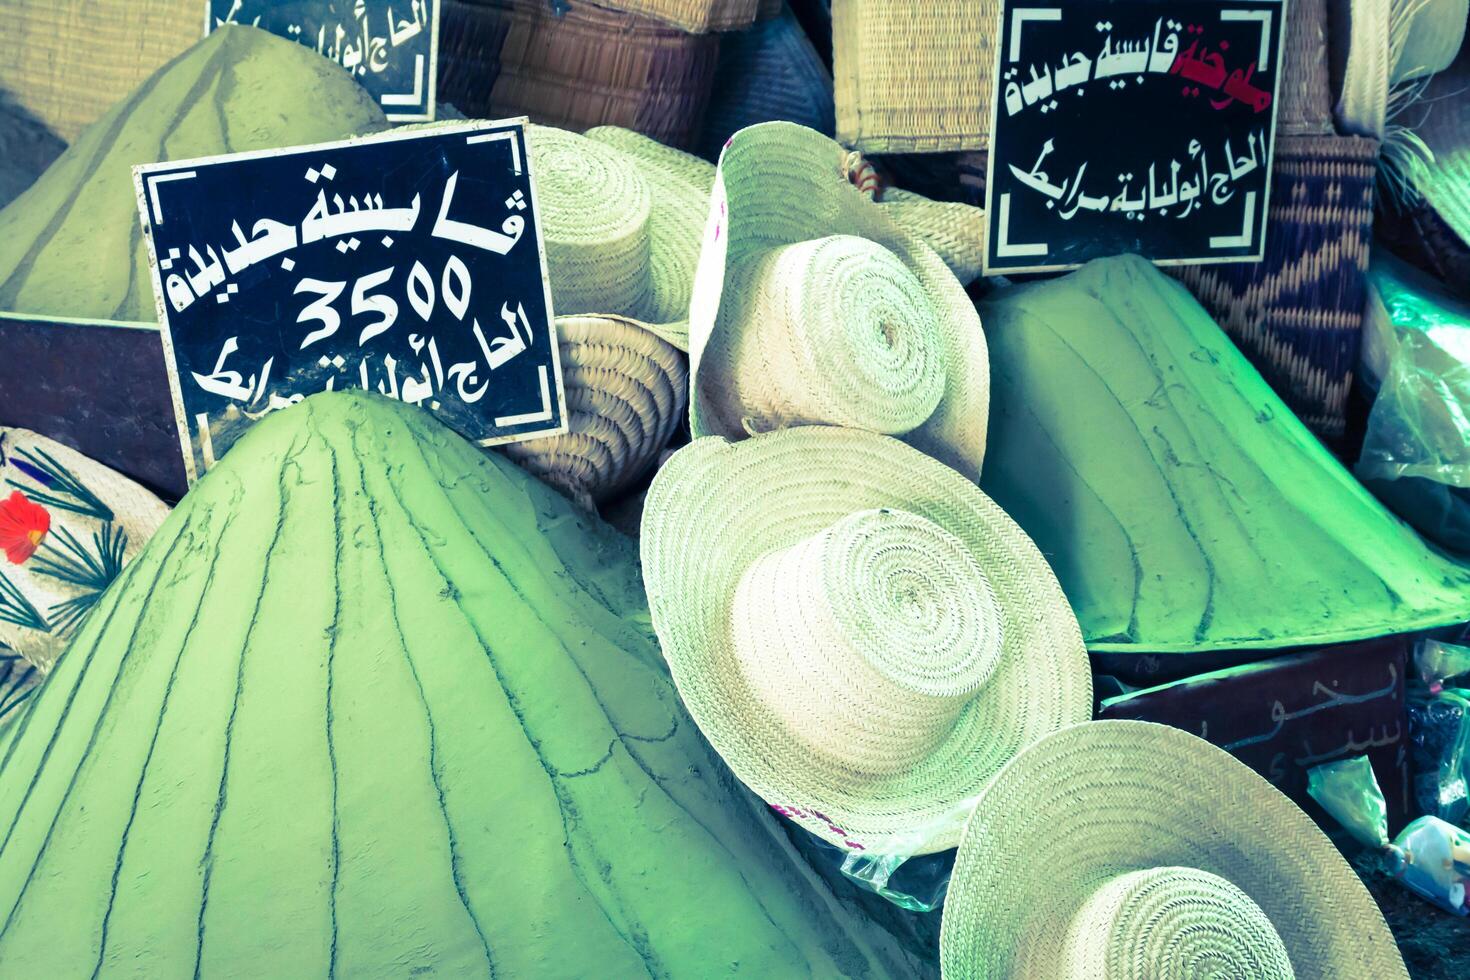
(716, 507)
(1110, 797)
(779, 184)
(639, 180)
(681, 184)
(625, 391)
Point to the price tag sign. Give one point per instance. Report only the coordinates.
(1143, 126)
(409, 264)
(390, 46)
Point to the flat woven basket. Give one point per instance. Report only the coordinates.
(67, 61)
(914, 76)
(587, 67)
(1298, 315)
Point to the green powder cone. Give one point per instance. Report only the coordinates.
(73, 245)
(375, 704)
(1181, 504)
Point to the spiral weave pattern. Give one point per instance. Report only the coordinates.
(1044, 883)
(626, 391)
(840, 332)
(595, 213)
(1172, 924)
(868, 637)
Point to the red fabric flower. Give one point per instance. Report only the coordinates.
(23, 526)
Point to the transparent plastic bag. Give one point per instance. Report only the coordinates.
(893, 867)
(1420, 422)
(1429, 856)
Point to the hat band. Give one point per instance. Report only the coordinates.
(835, 331)
(1170, 924)
(868, 639)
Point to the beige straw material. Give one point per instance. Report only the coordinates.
(858, 630)
(67, 61)
(600, 254)
(622, 217)
(696, 16)
(953, 229)
(1126, 849)
(681, 201)
(914, 76)
(859, 313)
(1433, 33)
(625, 392)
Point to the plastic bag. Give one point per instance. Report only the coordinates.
(894, 869)
(1429, 856)
(1420, 423)
(1439, 731)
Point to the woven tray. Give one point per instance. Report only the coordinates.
(588, 67)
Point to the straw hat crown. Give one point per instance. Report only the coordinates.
(868, 637)
(1166, 923)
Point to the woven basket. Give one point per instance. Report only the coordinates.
(587, 67)
(626, 393)
(68, 61)
(1298, 315)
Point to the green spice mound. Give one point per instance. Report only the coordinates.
(1180, 502)
(375, 704)
(73, 245)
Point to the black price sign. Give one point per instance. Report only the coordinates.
(390, 46)
(409, 264)
(1142, 126)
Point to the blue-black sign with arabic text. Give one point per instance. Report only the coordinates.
(1143, 126)
(409, 264)
(390, 46)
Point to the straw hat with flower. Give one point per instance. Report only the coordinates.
(813, 305)
(1126, 850)
(862, 635)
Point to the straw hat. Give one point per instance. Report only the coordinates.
(858, 630)
(812, 305)
(1125, 849)
(622, 217)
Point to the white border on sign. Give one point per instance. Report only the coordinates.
(142, 186)
(431, 105)
(985, 267)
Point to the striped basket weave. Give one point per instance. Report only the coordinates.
(769, 72)
(587, 67)
(1298, 315)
